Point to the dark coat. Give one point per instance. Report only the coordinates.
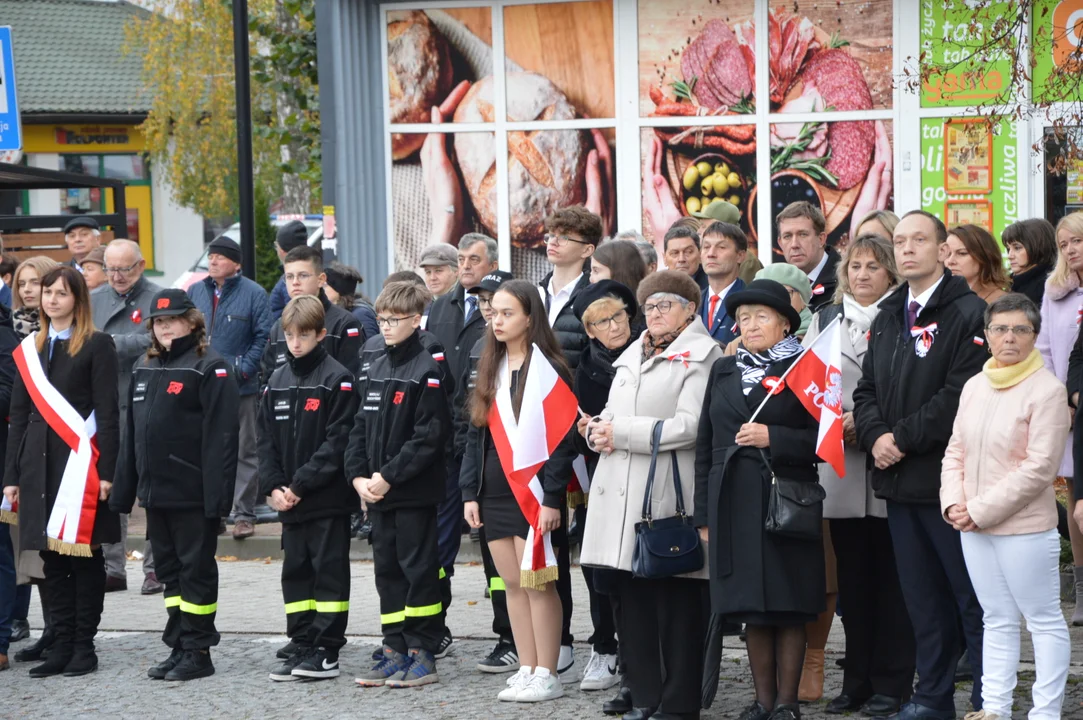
(1032, 283)
(8, 342)
(238, 326)
(751, 570)
(567, 327)
(446, 323)
(721, 326)
(593, 379)
(823, 288)
(89, 382)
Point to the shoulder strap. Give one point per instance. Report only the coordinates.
(656, 440)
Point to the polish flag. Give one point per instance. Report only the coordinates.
(816, 380)
(546, 415)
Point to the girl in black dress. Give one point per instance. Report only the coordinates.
(76, 367)
(519, 324)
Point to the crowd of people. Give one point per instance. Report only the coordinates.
(642, 412)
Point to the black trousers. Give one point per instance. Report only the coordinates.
(879, 637)
(449, 523)
(667, 623)
(559, 538)
(602, 617)
(407, 567)
(184, 543)
(75, 588)
(936, 588)
(316, 581)
(497, 593)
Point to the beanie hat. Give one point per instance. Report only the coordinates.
(292, 234)
(225, 247)
(343, 283)
(789, 275)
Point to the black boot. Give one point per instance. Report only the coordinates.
(58, 590)
(159, 671)
(83, 662)
(194, 664)
(58, 661)
(37, 649)
(89, 602)
(619, 705)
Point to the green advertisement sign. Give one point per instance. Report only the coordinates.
(1056, 31)
(950, 40)
(1004, 198)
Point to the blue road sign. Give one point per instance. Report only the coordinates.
(11, 129)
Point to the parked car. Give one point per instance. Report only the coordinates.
(198, 271)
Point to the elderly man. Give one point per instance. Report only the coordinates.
(238, 316)
(82, 234)
(440, 263)
(120, 308)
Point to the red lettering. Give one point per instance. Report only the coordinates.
(312, 404)
(399, 397)
(174, 388)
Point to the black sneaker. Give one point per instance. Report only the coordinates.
(284, 672)
(755, 711)
(195, 664)
(159, 671)
(421, 671)
(287, 651)
(445, 645)
(503, 659)
(319, 665)
(20, 630)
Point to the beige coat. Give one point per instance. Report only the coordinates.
(1005, 449)
(850, 496)
(642, 393)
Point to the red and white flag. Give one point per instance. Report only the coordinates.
(524, 445)
(816, 380)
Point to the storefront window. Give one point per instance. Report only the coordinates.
(125, 167)
(1064, 173)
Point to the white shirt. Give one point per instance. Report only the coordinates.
(815, 274)
(922, 299)
(721, 295)
(559, 298)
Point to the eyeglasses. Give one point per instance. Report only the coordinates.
(484, 302)
(391, 321)
(606, 324)
(663, 306)
(1022, 331)
(118, 270)
(302, 277)
(561, 240)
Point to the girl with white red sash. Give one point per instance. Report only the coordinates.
(515, 473)
(62, 448)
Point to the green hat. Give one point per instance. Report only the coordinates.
(720, 211)
(789, 275)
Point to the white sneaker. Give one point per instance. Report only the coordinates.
(601, 672)
(542, 686)
(515, 683)
(565, 663)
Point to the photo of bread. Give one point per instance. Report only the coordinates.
(419, 73)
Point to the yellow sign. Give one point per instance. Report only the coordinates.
(78, 139)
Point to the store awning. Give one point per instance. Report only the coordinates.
(19, 177)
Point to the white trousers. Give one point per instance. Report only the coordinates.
(1019, 576)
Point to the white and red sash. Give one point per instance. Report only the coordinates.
(71, 523)
(547, 413)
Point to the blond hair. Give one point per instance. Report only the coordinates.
(1073, 223)
(601, 308)
(303, 313)
(39, 264)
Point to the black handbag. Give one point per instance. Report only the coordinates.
(795, 508)
(670, 546)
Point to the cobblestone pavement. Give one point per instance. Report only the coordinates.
(251, 621)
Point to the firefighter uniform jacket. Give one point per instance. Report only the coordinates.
(179, 444)
(402, 427)
(304, 422)
(343, 341)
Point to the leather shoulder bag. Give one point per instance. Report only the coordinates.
(669, 546)
(794, 508)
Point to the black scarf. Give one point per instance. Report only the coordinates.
(754, 366)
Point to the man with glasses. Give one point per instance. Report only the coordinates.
(121, 308)
(304, 275)
(802, 237)
(571, 235)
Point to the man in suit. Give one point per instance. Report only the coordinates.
(723, 249)
(680, 248)
(802, 237)
(120, 308)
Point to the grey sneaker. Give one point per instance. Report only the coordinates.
(422, 671)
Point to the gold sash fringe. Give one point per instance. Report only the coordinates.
(537, 579)
(6, 516)
(576, 498)
(66, 548)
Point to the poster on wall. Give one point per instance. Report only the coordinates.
(1057, 36)
(968, 212)
(1003, 199)
(440, 69)
(968, 157)
(952, 40)
(697, 59)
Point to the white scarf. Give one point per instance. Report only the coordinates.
(859, 317)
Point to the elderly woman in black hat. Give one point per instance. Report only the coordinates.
(772, 583)
(660, 378)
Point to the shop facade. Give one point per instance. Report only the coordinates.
(646, 110)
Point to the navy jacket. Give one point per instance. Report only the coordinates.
(721, 325)
(280, 297)
(239, 327)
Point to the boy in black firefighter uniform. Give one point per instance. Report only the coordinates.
(179, 457)
(305, 418)
(304, 275)
(395, 460)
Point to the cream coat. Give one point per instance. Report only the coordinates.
(850, 496)
(663, 388)
(1005, 449)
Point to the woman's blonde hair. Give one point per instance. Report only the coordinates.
(39, 264)
(881, 249)
(82, 326)
(885, 217)
(602, 307)
(1073, 223)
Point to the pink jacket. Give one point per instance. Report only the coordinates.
(1060, 326)
(1004, 452)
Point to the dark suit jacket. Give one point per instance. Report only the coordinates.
(721, 325)
(823, 288)
(446, 323)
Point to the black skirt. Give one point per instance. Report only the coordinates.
(500, 512)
